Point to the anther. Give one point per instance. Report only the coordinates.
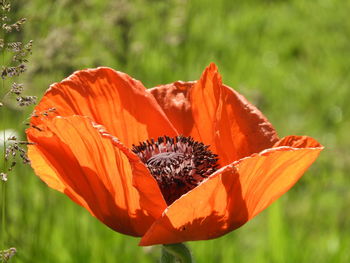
(178, 164)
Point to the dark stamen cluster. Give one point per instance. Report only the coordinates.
(178, 164)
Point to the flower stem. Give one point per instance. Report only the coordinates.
(166, 257)
(172, 253)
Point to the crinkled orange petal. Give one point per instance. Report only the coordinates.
(76, 157)
(151, 198)
(211, 209)
(265, 177)
(234, 194)
(175, 102)
(111, 98)
(216, 115)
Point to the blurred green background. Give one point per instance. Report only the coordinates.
(290, 58)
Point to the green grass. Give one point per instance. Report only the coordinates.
(290, 58)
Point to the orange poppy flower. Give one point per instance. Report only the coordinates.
(93, 140)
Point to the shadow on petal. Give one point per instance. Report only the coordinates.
(174, 100)
(91, 171)
(208, 211)
(268, 175)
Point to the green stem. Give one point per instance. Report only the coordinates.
(166, 257)
(176, 253)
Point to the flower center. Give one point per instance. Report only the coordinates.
(178, 164)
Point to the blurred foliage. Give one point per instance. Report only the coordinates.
(290, 58)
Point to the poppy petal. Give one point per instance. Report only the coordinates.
(76, 157)
(203, 213)
(151, 198)
(110, 98)
(271, 173)
(234, 194)
(174, 100)
(216, 115)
